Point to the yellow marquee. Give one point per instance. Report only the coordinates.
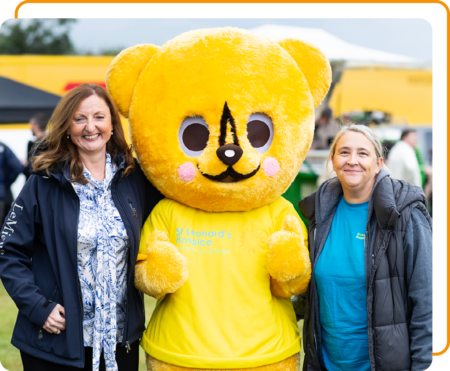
(405, 94)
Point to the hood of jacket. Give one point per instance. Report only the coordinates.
(391, 198)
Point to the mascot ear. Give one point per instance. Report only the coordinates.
(124, 71)
(314, 65)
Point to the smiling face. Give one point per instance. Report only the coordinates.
(355, 163)
(91, 126)
(220, 119)
(229, 124)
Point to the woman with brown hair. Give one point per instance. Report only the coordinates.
(70, 241)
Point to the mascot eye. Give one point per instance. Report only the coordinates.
(193, 136)
(260, 131)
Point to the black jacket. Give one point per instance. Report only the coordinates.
(10, 168)
(398, 280)
(38, 260)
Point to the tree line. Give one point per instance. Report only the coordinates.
(42, 37)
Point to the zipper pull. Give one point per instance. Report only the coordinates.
(134, 210)
(40, 336)
(127, 345)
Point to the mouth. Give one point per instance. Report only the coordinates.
(91, 137)
(230, 175)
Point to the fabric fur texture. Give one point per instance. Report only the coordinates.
(291, 363)
(221, 78)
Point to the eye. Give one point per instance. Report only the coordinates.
(260, 131)
(193, 136)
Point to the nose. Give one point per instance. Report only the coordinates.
(229, 154)
(353, 160)
(90, 126)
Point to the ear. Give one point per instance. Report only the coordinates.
(314, 65)
(124, 71)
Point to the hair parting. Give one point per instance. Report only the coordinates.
(55, 148)
(362, 129)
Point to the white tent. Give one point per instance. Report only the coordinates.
(334, 48)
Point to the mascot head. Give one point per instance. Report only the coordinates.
(220, 119)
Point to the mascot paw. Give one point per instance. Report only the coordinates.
(288, 260)
(165, 269)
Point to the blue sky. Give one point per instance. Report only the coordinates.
(409, 37)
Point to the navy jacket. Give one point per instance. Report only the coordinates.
(38, 260)
(10, 168)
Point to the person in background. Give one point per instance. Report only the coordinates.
(326, 129)
(38, 125)
(428, 187)
(369, 303)
(70, 242)
(10, 168)
(387, 146)
(402, 159)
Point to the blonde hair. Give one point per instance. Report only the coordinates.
(367, 132)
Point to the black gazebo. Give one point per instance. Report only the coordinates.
(18, 102)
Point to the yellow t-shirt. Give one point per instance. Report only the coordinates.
(224, 315)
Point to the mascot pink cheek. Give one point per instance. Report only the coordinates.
(271, 166)
(187, 171)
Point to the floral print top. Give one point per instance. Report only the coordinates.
(103, 248)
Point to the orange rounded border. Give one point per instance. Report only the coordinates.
(16, 15)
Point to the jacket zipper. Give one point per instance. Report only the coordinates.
(78, 282)
(127, 344)
(78, 279)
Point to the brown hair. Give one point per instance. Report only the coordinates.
(55, 148)
(406, 132)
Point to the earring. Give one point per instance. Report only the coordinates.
(112, 133)
(68, 136)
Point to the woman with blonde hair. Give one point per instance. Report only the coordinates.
(368, 305)
(70, 241)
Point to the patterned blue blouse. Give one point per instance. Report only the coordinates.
(103, 248)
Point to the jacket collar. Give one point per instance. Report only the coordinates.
(326, 198)
(61, 171)
(387, 201)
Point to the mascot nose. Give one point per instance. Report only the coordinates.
(229, 154)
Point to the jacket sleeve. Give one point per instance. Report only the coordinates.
(16, 251)
(152, 196)
(418, 256)
(299, 304)
(13, 166)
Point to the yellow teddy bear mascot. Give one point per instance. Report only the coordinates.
(221, 121)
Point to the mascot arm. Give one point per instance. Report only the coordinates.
(288, 260)
(163, 270)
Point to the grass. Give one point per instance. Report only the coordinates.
(10, 356)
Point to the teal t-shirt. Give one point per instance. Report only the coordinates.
(341, 284)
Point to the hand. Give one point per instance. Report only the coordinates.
(165, 269)
(56, 321)
(288, 260)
